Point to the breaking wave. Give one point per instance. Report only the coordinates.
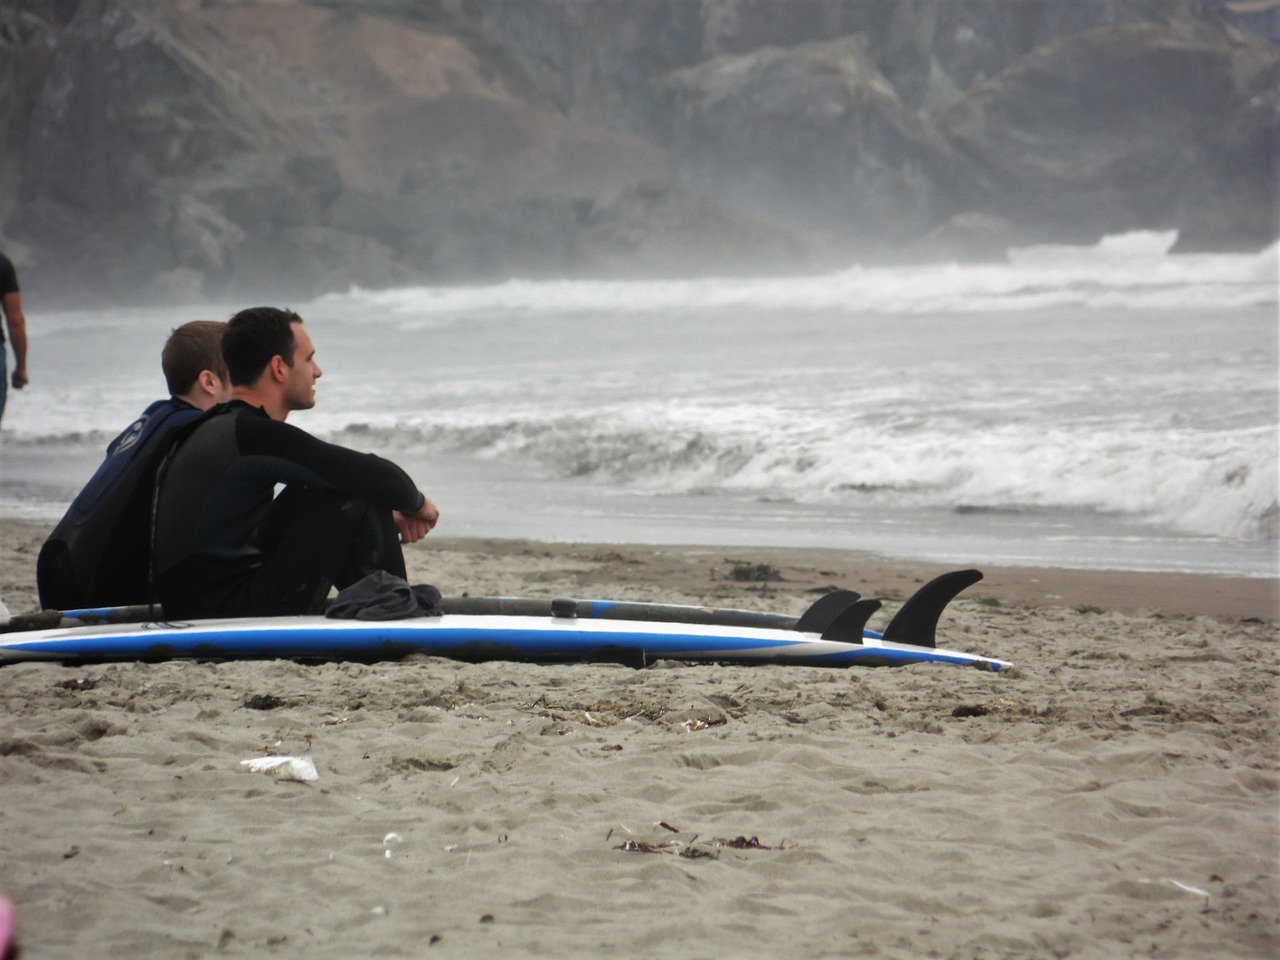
(1224, 486)
(1129, 271)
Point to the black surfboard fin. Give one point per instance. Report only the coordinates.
(849, 623)
(917, 622)
(825, 609)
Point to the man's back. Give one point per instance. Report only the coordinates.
(99, 553)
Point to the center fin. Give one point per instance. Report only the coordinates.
(849, 623)
(825, 609)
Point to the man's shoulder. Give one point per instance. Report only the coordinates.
(232, 419)
(229, 411)
(157, 421)
(131, 459)
(248, 416)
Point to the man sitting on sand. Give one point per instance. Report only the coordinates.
(224, 545)
(99, 553)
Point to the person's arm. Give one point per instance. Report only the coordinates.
(414, 526)
(17, 323)
(288, 454)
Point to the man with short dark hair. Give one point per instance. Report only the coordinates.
(99, 553)
(225, 545)
(16, 321)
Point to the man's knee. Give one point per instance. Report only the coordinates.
(337, 536)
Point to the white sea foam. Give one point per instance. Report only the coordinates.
(1222, 486)
(1130, 271)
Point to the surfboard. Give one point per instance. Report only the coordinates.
(832, 632)
(471, 637)
(837, 615)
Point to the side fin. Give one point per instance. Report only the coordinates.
(825, 609)
(849, 623)
(917, 622)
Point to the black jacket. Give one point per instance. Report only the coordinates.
(220, 483)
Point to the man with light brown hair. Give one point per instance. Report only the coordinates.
(99, 553)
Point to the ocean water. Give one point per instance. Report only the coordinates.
(1110, 406)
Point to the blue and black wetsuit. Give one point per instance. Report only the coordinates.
(227, 546)
(99, 553)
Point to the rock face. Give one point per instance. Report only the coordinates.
(597, 58)
(188, 149)
(289, 148)
(130, 118)
(814, 136)
(26, 45)
(1124, 128)
(1062, 120)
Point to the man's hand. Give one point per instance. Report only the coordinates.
(414, 526)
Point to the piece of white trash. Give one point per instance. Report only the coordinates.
(1187, 888)
(390, 840)
(301, 769)
(1184, 887)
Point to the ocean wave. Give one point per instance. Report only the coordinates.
(1129, 271)
(1219, 485)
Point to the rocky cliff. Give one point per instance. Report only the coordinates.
(188, 149)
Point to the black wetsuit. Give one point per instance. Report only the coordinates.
(99, 553)
(225, 547)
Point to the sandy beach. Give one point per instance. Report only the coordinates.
(1115, 794)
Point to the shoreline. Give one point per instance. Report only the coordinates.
(722, 575)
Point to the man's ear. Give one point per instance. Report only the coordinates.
(208, 382)
(278, 367)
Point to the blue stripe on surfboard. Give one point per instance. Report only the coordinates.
(488, 647)
(96, 613)
(298, 638)
(509, 639)
(601, 610)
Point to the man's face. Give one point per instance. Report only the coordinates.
(300, 389)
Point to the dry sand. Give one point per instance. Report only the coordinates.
(1114, 795)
